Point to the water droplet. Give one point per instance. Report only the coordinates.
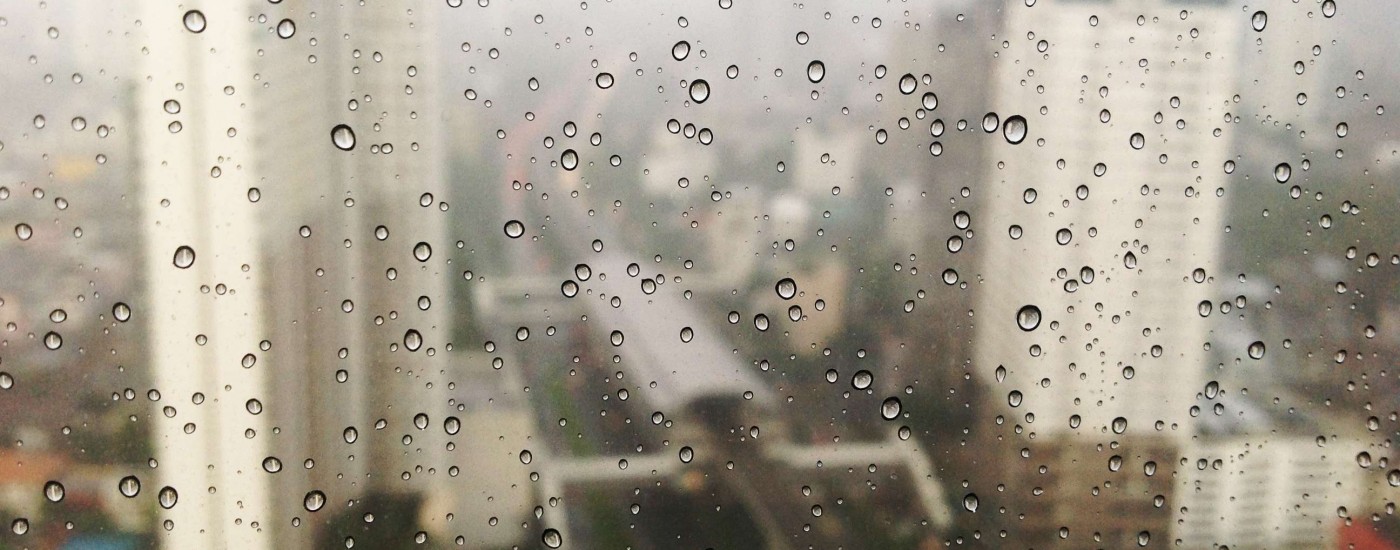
(1014, 129)
(930, 101)
(526, 457)
(1145, 537)
(286, 28)
(1282, 172)
(167, 497)
(53, 340)
(1137, 141)
(422, 251)
(862, 379)
(1393, 478)
(343, 137)
(451, 425)
(889, 410)
(990, 122)
(970, 502)
(786, 288)
(1256, 350)
(603, 80)
(272, 465)
(129, 486)
(514, 229)
(19, 526)
(1119, 425)
(54, 491)
(552, 538)
(569, 160)
(194, 21)
(907, 84)
(699, 91)
(1014, 398)
(687, 334)
(569, 289)
(1329, 8)
(1259, 20)
(687, 454)
(412, 340)
(350, 435)
(23, 231)
(760, 322)
(313, 501)
(121, 312)
(816, 71)
(1028, 318)
(680, 50)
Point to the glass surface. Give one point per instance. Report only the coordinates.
(715, 274)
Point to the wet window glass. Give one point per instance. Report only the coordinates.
(716, 274)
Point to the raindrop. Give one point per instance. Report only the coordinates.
(1259, 20)
(604, 80)
(862, 379)
(990, 122)
(1014, 129)
(569, 289)
(687, 454)
(412, 340)
(760, 322)
(129, 486)
(699, 91)
(343, 137)
(19, 526)
(569, 159)
(121, 312)
(53, 341)
(930, 102)
(816, 70)
(272, 465)
(1256, 350)
(907, 84)
(552, 538)
(1282, 172)
(514, 229)
(184, 257)
(680, 50)
(54, 491)
(422, 251)
(451, 425)
(1137, 141)
(786, 288)
(286, 28)
(314, 500)
(194, 21)
(970, 502)
(167, 497)
(1028, 318)
(889, 410)
(23, 231)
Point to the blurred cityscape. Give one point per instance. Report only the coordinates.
(728, 274)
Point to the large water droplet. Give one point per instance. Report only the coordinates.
(1256, 350)
(569, 160)
(53, 491)
(121, 312)
(687, 454)
(816, 71)
(680, 50)
(514, 229)
(1259, 20)
(1137, 141)
(272, 464)
(19, 526)
(422, 251)
(412, 340)
(889, 410)
(53, 340)
(786, 288)
(451, 425)
(970, 502)
(167, 497)
(129, 486)
(699, 91)
(907, 84)
(23, 231)
(862, 379)
(184, 257)
(313, 501)
(194, 21)
(1028, 318)
(552, 538)
(286, 28)
(1014, 129)
(603, 80)
(343, 137)
(1282, 172)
